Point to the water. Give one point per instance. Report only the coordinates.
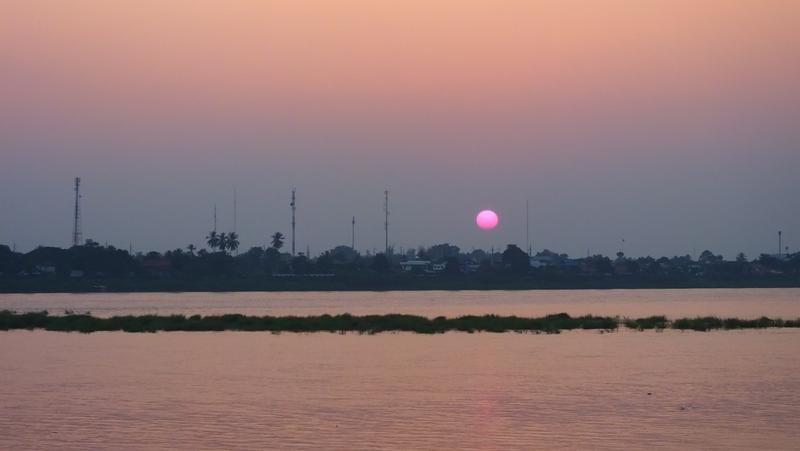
(240, 390)
(745, 303)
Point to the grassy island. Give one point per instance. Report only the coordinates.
(370, 324)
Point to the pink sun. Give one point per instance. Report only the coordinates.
(487, 219)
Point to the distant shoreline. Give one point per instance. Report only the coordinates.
(384, 283)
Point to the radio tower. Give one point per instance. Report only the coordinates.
(294, 208)
(386, 221)
(235, 211)
(353, 231)
(528, 226)
(77, 234)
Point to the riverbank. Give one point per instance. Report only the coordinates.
(371, 323)
(382, 282)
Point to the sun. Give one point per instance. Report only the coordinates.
(487, 219)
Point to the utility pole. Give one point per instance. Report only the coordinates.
(528, 226)
(353, 233)
(780, 243)
(294, 209)
(386, 221)
(77, 233)
(215, 218)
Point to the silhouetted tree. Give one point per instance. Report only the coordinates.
(452, 266)
(741, 258)
(212, 240)
(324, 263)
(223, 242)
(516, 259)
(277, 240)
(380, 263)
(707, 258)
(301, 264)
(232, 243)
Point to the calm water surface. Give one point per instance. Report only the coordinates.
(724, 302)
(239, 390)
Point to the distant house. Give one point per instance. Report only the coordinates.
(157, 266)
(44, 269)
(76, 273)
(438, 267)
(416, 266)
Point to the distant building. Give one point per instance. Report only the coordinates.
(416, 266)
(157, 266)
(43, 269)
(543, 260)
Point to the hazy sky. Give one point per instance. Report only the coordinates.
(674, 124)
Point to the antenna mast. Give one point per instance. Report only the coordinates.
(294, 208)
(77, 233)
(353, 243)
(386, 220)
(780, 242)
(528, 226)
(215, 218)
(235, 211)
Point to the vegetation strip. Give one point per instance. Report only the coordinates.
(370, 323)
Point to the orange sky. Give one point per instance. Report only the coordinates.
(559, 91)
(244, 56)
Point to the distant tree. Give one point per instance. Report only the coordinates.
(707, 258)
(516, 259)
(380, 263)
(343, 254)
(277, 240)
(191, 248)
(599, 264)
(441, 252)
(222, 244)
(232, 243)
(301, 264)
(324, 263)
(741, 258)
(213, 240)
(620, 255)
(452, 266)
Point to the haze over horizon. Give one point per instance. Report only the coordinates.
(671, 124)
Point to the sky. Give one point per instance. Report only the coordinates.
(671, 124)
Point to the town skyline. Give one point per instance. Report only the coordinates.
(666, 123)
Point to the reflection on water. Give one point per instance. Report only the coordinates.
(235, 390)
(239, 390)
(744, 303)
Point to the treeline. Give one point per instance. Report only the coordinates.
(442, 266)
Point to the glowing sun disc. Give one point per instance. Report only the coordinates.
(487, 219)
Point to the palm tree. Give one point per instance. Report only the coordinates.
(233, 242)
(223, 242)
(213, 240)
(277, 240)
